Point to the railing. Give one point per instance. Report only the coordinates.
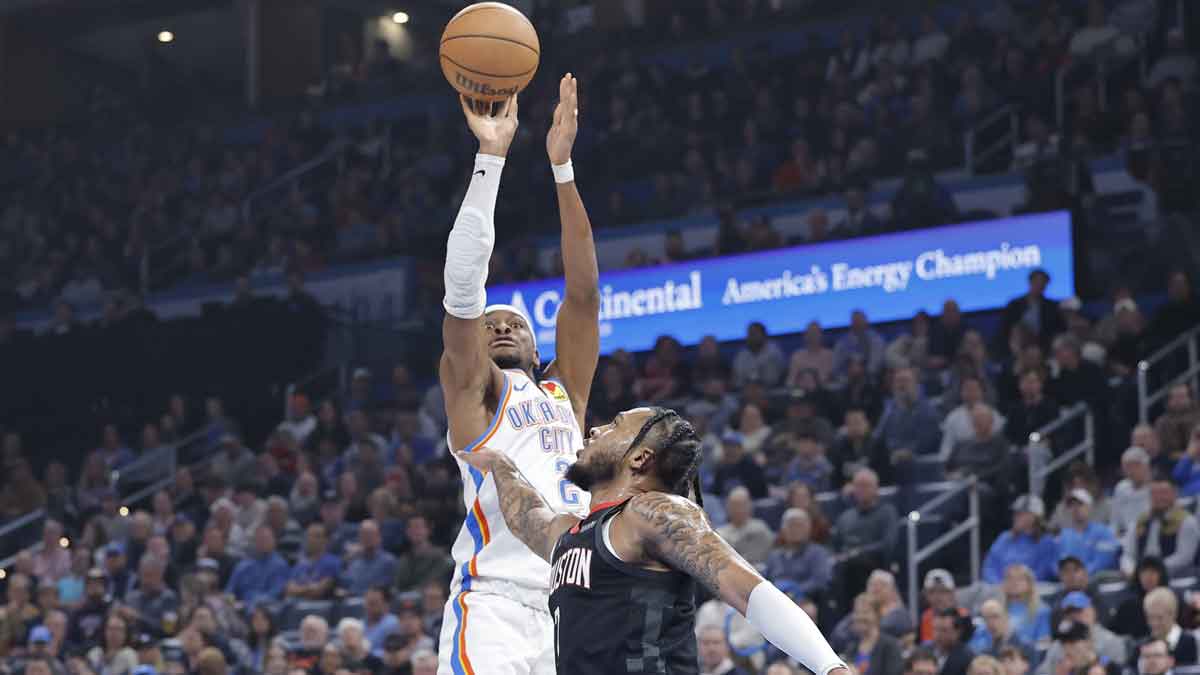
(1038, 453)
(331, 153)
(1146, 399)
(975, 156)
(150, 473)
(918, 555)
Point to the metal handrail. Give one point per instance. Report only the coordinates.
(1064, 418)
(972, 157)
(21, 521)
(135, 497)
(331, 152)
(1035, 453)
(1146, 399)
(917, 556)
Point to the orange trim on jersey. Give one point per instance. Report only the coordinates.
(484, 530)
(463, 659)
(477, 508)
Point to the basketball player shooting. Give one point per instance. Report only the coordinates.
(496, 620)
(623, 577)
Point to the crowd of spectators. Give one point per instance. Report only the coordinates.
(119, 203)
(322, 548)
(340, 518)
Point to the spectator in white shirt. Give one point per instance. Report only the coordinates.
(53, 562)
(958, 426)
(892, 46)
(1177, 63)
(932, 43)
(748, 535)
(1131, 496)
(1096, 33)
(761, 360)
(300, 422)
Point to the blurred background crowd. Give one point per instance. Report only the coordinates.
(161, 511)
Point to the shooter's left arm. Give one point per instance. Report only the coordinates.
(577, 338)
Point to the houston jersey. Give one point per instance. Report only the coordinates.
(611, 617)
(536, 428)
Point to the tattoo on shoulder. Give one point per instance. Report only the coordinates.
(680, 535)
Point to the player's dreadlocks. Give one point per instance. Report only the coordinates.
(677, 452)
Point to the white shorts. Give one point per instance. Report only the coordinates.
(484, 633)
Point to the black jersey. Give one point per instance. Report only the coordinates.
(611, 617)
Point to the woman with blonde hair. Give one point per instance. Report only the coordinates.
(985, 665)
(1028, 617)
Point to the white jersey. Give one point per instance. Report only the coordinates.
(535, 427)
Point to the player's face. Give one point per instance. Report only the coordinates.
(510, 340)
(605, 447)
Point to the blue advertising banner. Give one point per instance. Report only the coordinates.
(891, 277)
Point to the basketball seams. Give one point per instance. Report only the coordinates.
(480, 72)
(492, 37)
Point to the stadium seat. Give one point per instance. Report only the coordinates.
(350, 608)
(295, 612)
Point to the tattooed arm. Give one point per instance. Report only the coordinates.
(527, 515)
(674, 531)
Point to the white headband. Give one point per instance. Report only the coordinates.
(515, 310)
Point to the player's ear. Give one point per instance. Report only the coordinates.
(641, 459)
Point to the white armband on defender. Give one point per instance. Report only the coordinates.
(469, 247)
(788, 627)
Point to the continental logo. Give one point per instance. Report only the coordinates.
(481, 88)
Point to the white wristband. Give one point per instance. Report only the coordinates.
(563, 173)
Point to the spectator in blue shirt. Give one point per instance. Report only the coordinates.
(1026, 544)
(861, 340)
(796, 560)
(315, 573)
(1029, 618)
(909, 425)
(260, 578)
(115, 453)
(1092, 543)
(1187, 469)
(333, 515)
(378, 621)
(371, 566)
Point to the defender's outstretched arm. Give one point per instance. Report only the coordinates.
(674, 530)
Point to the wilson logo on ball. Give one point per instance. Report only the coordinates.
(467, 85)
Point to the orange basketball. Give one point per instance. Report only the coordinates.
(489, 51)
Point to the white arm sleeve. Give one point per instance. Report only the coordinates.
(469, 247)
(788, 627)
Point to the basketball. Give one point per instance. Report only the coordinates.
(489, 51)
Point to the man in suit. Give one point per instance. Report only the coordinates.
(1033, 309)
(951, 631)
(1162, 614)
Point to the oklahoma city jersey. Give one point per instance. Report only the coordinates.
(536, 428)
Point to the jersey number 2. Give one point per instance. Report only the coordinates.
(566, 490)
